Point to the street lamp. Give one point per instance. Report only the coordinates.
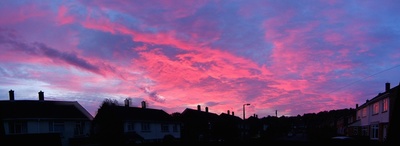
(244, 117)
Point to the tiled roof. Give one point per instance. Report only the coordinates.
(33, 109)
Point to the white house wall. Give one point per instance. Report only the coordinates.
(155, 131)
(42, 126)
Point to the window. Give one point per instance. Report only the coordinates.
(355, 131)
(364, 131)
(175, 128)
(385, 105)
(375, 108)
(164, 128)
(79, 128)
(18, 127)
(56, 126)
(374, 131)
(130, 126)
(359, 114)
(364, 112)
(145, 127)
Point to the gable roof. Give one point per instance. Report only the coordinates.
(33, 109)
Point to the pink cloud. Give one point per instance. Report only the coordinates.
(181, 57)
(63, 17)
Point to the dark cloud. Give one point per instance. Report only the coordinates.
(36, 49)
(70, 58)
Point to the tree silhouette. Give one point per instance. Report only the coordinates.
(107, 124)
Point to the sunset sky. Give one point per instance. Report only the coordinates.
(289, 56)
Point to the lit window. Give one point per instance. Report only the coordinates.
(364, 112)
(375, 109)
(385, 105)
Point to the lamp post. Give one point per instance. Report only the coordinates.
(244, 117)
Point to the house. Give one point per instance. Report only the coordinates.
(345, 117)
(199, 126)
(376, 116)
(42, 121)
(229, 127)
(115, 124)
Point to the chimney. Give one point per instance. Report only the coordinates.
(41, 95)
(228, 112)
(356, 106)
(387, 87)
(206, 109)
(233, 113)
(11, 93)
(198, 108)
(127, 101)
(143, 104)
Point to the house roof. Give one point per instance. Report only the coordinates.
(136, 113)
(230, 117)
(380, 96)
(192, 113)
(34, 109)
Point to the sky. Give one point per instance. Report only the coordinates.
(283, 57)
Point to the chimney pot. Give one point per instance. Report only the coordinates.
(206, 109)
(228, 112)
(143, 104)
(11, 93)
(127, 102)
(233, 113)
(198, 108)
(41, 95)
(387, 86)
